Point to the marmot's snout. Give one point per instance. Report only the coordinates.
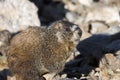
(76, 34)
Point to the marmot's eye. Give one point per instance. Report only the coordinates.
(79, 33)
(67, 29)
(1, 54)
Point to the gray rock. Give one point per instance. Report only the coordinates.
(71, 16)
(98, 27)
(69, 79)
(112, 30)
(5, 37)
(112, 61)
(16, 15)
(106, 14)
(110, 1)
(118, 54)
(86, 2)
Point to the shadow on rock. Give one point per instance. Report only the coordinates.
(92, 50)
(49, 10)
(4, 73)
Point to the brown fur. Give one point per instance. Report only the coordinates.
(37, 51)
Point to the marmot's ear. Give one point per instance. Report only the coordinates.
(59, 37)
(59, 26)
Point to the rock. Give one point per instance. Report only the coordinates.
(110, 58)
(118, 54)
(106, 14)
(69, 5)
(5, 37)
(110, 1)
(4, 43)
(51, 76)
(80, 21)
(3, 62)
(115, 77)
(98, 27)
(85, 34)
(112, 30)
(73, 6)
(71, 16)
(104, 75)
(86, 2)
(69, 79)
(110, 67)
(11, 78)
(17, 15)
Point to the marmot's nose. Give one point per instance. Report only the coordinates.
(79, 33)
(77, 28)
(74, 28)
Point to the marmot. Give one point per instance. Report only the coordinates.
(37, 51)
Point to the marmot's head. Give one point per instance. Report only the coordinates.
(66, 31)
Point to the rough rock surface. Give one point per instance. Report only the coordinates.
(16, 14)
(109, 14)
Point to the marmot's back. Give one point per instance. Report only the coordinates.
(36, 51)
(21, 54)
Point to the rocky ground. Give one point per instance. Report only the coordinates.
(98, 56)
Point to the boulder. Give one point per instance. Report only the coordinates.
(106, 14)
(16, 15)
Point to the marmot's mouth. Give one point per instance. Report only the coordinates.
(76, 41)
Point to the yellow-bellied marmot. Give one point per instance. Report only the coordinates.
(36, 51)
